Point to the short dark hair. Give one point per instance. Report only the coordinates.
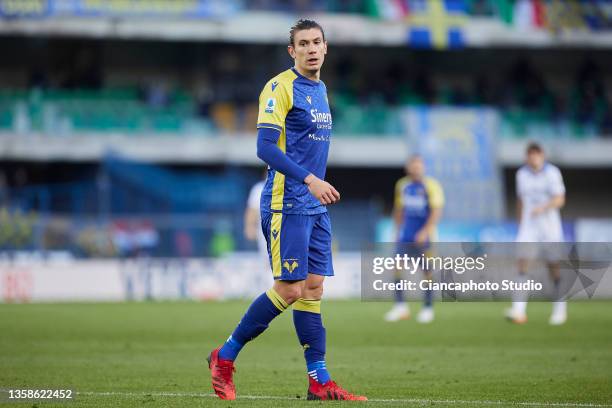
(304, 24)
(534, 147)
(414, 156)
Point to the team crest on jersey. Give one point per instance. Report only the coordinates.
(290, 264)
(309, 99)
(274, 85)
(270, 105)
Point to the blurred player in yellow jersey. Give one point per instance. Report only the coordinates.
(417, 209)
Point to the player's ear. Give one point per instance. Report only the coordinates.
(324, 47)
(291, 51)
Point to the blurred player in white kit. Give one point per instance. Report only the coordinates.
(540, 196)
(252, 232)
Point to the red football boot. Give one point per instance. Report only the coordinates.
(222, 373)
(330, 391)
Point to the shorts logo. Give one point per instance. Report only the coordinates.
(309, 99)
(274, 234)
(274, 85)
(290, 265)
(270, 105)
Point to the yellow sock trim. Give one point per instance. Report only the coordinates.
(277, 300)
(308, 305)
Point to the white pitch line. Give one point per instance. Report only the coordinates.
(401, 400)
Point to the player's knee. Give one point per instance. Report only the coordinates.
(313, 291)
(290, 293)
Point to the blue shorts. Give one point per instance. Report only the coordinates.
(298, 244)
(414, 250)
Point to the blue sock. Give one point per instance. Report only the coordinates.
(311, 333)
(428, 301)
(399, 294)
(257, 318)
(318, 371)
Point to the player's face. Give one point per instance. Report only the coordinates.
(415, 168)
(308, 50)
(535, 160)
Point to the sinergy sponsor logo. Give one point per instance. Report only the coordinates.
(320, 117)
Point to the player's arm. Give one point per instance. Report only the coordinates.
(556, 202)
(273, 156)
(398, 217)
(436, 203)
(250, 223)
(432, 221)
(398, 207)
(557, 191)
(251, 214)
(269, 152)
(274, 105)
(519, 193)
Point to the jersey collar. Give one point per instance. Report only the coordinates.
(532, 171)
(295, 71)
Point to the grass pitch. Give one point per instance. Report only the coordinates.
(153, 355)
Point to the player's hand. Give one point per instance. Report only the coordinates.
(538, 210)
(421, 237)
(322, 190)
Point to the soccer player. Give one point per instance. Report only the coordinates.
(252, 229)
(294, 132)
(417, 209)
(540, 196)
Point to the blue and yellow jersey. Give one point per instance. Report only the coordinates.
(416, 200)
(298, 108)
